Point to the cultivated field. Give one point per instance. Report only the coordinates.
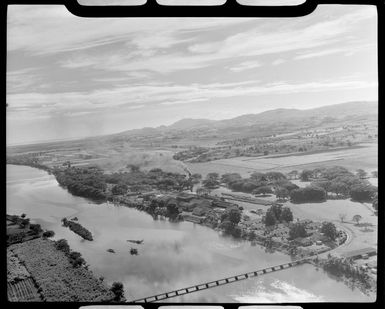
(364, 157)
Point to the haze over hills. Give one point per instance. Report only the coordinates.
(282, 115)
(246, 125)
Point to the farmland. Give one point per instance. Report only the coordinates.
(364, 156)
(20, 285)
(57, 279)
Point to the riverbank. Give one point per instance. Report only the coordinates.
(172, 255)
(344, 270)
(207, 215)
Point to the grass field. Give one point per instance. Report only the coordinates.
(360, 237)
(352, 159)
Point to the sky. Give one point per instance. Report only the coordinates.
(72, 77)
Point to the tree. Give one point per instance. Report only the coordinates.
(75, 258)
(361, 173)
(210, 183)
(297, 230)
(262, 190)
(277, 211)
(35, 228)
(119, 189)
(196, 178)
(308, 194)
(305, 175)
(274, 176)
(172, 210)
(24, 223)
(270, 218)
(339, 188)
(62, 245)
(48, 234)
(357, 218)
(329, 230)
(214, 176)
(362, 192)
(286, 214)
(230, 177)
(202, 191)
(342, 217)
(235, 216)
(237, 232)
(118, 290)
(252, 236)
(281, 193)
(258, 176)
(293, 174)
(23, 215)
(227, 226)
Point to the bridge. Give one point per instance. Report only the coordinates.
(213, 284)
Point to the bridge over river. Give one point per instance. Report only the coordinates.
(228, 280)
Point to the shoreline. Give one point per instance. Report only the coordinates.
(274, 246)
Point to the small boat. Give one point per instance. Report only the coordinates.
(111, 250)
(133, 251)
(138, 242)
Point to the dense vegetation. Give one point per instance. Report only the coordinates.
(20, 229)
(56, 278)
(259, 183)
(345, 268)
(277, 214)
(308, 194)
(137, 180)
(329, 230)
(78, 229)
(229, 222)
(296, 230)
(87, 181)
(28, 160)
(343, 183)
(118, 290)
(74, 257)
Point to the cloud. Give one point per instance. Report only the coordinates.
(247, 65)
(139, 96)
(20, 79)
(278, 61)
(256, 40)
(347, 50)
(52, 29)
(176, 45)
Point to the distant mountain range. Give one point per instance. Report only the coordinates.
(316, 116)
(270, 122)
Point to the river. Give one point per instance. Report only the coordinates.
(172, 256)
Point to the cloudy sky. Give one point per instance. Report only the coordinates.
(70, 77)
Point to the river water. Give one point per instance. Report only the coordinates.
(172, 256)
